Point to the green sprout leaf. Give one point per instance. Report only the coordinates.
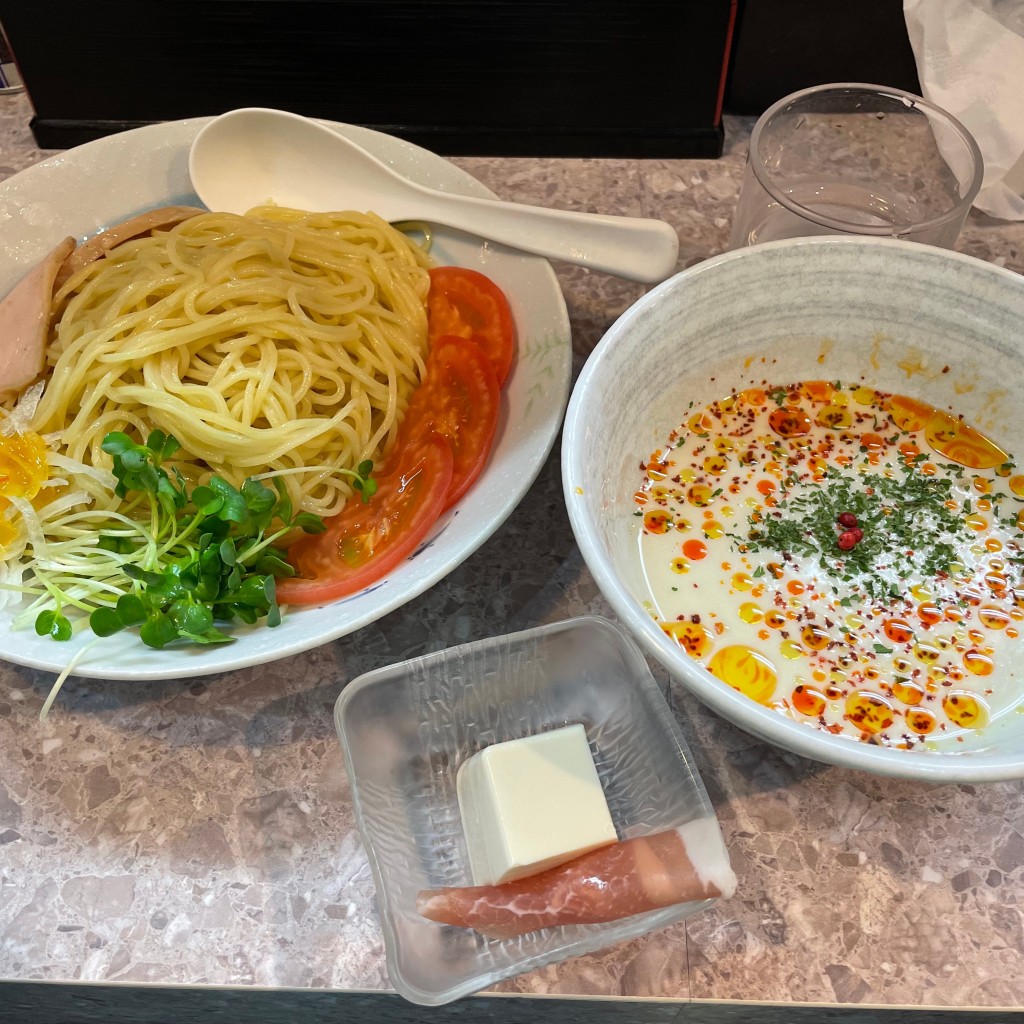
(233, 507)
(214, 560)
(53, 624)
(105, 622)
(130, 610)
(158, 630)
(310, 523)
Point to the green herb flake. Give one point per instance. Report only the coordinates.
(908, 530)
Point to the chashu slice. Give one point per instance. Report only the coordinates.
(153, 220)
(25, 322)
(25, 312)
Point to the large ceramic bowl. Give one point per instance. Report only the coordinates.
(88, 188)
(907, 319)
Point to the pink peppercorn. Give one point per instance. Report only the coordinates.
(847, 519)
(858, 534)
(848, 539)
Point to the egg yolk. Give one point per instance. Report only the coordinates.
(23, 470)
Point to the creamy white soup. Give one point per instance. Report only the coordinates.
(848, 557)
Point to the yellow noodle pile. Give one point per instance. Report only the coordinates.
(281, 342)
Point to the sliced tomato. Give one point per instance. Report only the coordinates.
(470, 305)
(460, 400)
(365, 541)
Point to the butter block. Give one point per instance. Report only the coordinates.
(531, 804)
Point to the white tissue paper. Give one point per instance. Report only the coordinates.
(970, 61)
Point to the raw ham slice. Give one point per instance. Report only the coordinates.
(631, 877)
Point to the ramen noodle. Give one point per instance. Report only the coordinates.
(280, 343)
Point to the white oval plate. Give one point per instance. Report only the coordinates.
(86, 189)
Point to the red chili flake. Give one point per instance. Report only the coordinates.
(847, 540)
(847, 519)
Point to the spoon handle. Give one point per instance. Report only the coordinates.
(638, 249)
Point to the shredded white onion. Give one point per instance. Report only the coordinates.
(18, 419)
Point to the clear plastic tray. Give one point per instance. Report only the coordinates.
(405, 730)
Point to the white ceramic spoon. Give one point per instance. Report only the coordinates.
(246, 157)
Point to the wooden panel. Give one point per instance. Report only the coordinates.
(543, 76)
(785, 45)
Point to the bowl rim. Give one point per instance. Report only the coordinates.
(754, 718)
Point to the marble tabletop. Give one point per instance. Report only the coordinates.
(201, 831)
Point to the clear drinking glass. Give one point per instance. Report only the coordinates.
(857, 159)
